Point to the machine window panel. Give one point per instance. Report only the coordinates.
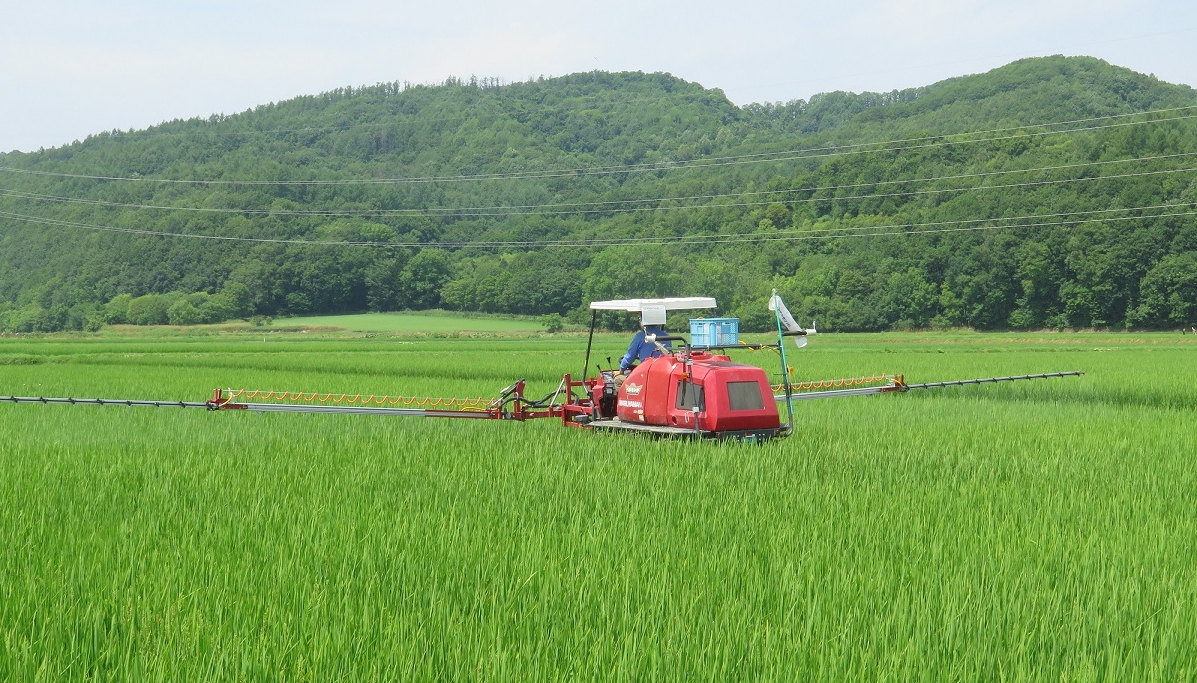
(744, 396)
(689, 395)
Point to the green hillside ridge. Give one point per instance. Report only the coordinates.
(615, 156)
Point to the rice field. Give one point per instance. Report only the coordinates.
(1034, 531)
(415, 322)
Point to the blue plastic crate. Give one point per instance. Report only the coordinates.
(714, 331)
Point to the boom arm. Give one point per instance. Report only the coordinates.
(898, 385)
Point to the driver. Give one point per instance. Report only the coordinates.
(640, 350)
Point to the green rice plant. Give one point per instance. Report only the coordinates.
(1036, 531)
(415, 322)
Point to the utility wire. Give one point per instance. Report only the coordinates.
(911, 193)
(760, 157)
(861, 229)
(940, 230)
(614, 205)
(791, 236)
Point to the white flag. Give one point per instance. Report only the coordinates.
(787, 319)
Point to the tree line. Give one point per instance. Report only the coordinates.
(1026, 228)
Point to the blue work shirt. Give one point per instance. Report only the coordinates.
(640, 349)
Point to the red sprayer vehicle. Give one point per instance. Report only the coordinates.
(692, 390)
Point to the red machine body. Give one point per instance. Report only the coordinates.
(704, 392)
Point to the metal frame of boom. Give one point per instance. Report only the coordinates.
(898, 385)
(511, 403)
(563, 403)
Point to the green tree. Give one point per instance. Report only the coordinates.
(116, 311)
(183, 312)
(150, 309)
(423, 277)
(1169, 293)
(234, 301)
(910, 301)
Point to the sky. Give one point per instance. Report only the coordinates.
(71, 68)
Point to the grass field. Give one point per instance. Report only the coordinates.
(414, 322)
(1036, 531)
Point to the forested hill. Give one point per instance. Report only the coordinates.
(1036, 195)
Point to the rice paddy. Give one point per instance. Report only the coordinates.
(415, 322)
(1034, 531)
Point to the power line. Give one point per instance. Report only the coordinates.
(1038, 183)
(760, 157)
(527, 209)
(947, 230)
(860, 230)
(758, 237)
(834, 199)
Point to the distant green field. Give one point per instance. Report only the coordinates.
(1038, 531)
(413, 322)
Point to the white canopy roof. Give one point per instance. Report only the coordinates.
(683, 303)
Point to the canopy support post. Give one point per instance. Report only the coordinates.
(589, 341)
